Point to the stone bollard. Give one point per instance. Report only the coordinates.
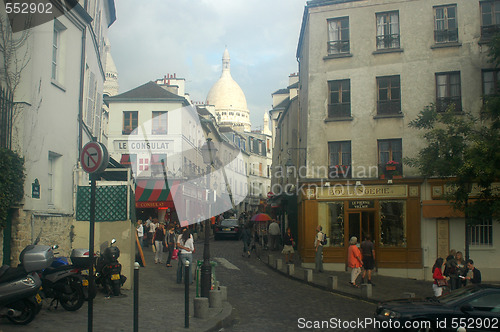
(270, 260)
(215, 299)
(333, 282)
(217, 285)
(278, 264)
(308, 275)
(366, 290)
(223, 290)
(201, 307)
(290, 269)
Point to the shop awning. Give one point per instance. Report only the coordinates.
(153, 193)
(440, 209)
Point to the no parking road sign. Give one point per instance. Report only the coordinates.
(94, 157)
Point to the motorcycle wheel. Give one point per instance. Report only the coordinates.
(116, 287)
(73, 299)
(28, 310)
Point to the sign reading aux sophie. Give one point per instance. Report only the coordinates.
(141, 146)
(361, 191)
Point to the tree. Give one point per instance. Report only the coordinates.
(462, 148)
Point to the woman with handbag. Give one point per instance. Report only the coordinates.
(440, 281)
(170, 241)
(185, 244)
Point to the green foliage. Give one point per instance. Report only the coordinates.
(463, 149)
(11, 182)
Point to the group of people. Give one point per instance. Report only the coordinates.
(360, 260)
(167, 238)
(454, 272)
(250, 236)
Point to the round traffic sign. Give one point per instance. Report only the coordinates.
(94, 157)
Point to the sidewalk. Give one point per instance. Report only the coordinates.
(385, 288)
(161, 307)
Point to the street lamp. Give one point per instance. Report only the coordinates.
(208, 152)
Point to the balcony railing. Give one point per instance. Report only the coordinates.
(446, 36)
(340, 110)
(442, 104)
(390, 170)
(488, 31)
(338, 47)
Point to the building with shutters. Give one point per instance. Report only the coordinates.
(366, 69)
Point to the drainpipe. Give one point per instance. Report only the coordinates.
(82, 87)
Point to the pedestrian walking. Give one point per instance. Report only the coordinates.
(274, 235)
(288, 244)
(318, 246)
(185, 244)
(439, 278)
(368, 253)
(170, 241)
(140, 232)
(354, 260)
(246, 237)
(158, 239)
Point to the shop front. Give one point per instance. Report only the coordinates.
(388, 213)
(154, 198)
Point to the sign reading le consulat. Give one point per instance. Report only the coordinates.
(138, 146)
(361, 191)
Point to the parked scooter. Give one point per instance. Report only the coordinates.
(80, 258)
(108, 271)
(63, 283)
(19, 299)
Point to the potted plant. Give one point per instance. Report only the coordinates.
(391, 165)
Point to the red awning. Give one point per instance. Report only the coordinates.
(153, 193)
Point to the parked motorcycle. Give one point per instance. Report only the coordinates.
(108, 270)
(19, 299)
(80, 258)
(63, 283)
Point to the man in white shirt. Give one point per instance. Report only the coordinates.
(274, 235)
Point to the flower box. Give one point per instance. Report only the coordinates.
(397, 176)
(390, 167)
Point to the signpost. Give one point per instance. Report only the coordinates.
(94, 159)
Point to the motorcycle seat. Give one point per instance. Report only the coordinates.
(52, 269)
(12, 274)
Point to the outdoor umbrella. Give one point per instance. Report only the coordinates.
(261, 217)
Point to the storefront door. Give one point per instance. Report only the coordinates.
(361, 224)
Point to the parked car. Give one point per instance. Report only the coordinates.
(227, 228)
(472, 308)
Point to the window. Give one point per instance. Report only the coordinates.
(481, 234)
(91, 102)
(392, 224)
(490, 18)
(445, 24)
(389, 95)
(57, 50)
(339, 105)
(159, 123)
(339, 159)
(130, 120)
(390, 150)
(331, 217)
(338, 36)
(491, 80)
(387, 30)
(448, 91)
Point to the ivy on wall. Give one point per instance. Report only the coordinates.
(11, 182)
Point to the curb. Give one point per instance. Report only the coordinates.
(335, 291)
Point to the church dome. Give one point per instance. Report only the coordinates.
(227, 96)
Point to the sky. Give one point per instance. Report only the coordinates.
(152, 38)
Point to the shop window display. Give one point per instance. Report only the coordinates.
(332, 221)
(392, 224)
